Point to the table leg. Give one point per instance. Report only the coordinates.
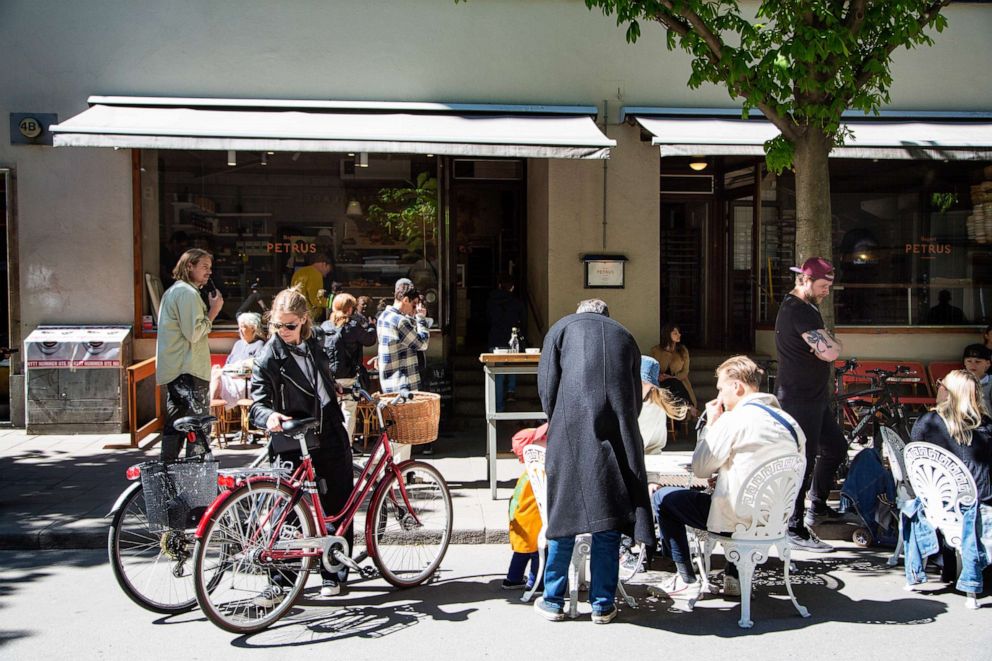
(491, 429)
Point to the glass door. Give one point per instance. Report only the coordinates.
(5, 278)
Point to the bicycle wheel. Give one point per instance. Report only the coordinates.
(231, 577)
(154, 569)
(407, 537)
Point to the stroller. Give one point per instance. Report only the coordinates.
(875, 494)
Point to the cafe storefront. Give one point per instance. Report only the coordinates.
(433, 192)
(911, 200)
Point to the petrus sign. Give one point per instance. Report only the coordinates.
(31, 128)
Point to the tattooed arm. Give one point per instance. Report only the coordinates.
(824, 345)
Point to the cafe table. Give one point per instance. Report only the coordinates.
(504, 363)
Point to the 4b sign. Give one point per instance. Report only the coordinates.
(31, 128)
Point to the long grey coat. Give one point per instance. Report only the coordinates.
(590, 387)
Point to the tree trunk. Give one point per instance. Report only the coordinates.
(813, 217)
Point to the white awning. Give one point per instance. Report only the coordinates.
(907, 140)
(272, 125)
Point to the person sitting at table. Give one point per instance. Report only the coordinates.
(673, 357)
(744, 429)
(659, 405)
(223, 385)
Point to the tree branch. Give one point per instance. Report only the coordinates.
(855, 16)
(685, 21)
(863, 75)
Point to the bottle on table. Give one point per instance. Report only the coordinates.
(514, 340)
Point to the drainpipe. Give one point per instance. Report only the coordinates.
(606, 161)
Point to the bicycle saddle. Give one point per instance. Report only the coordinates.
(194, 422)
(289, 426)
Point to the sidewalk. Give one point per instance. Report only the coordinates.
(56, 490)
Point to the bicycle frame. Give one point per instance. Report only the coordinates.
(304, 482)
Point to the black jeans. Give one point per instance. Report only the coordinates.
(826, 449)
(185, 395)
(335, 479)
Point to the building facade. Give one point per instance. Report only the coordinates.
(450, 143)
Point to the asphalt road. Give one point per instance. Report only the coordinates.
(65, 604)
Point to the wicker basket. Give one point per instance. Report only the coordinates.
(414, 421)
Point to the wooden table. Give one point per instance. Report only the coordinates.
(504, 363)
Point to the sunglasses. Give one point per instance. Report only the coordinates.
(279, 326)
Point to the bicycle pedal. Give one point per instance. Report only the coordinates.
(368, 572)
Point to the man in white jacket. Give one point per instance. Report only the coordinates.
(744, 428)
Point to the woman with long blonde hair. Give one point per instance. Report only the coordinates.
(960, 424)
(346, 334)
(658, 405)
(292, 379)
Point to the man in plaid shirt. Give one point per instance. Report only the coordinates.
(403, 333)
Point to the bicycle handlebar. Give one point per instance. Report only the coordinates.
(361, 395)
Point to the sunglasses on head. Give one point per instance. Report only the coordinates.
(280, 326)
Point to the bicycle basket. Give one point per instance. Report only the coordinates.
(176, 495)
(414, 421)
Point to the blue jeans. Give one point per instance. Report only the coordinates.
(604, 570)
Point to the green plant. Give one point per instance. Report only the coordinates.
(408, 214)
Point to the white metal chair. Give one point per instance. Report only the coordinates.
(534, 456)
(767, 498)
(944, 485)
(892, 448)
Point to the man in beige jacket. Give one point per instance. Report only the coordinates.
(744, 429)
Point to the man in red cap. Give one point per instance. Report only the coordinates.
(805, 351)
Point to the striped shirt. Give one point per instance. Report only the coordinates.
(400, 338)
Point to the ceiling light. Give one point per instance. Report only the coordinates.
(354, 209)
(362, 161)
(232, 157)
(698, 164)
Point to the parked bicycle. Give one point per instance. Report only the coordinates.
(151, 540)
(862, 413)
(269, 533)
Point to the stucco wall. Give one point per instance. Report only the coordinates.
(575, 191)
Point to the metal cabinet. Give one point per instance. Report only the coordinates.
(76, 379)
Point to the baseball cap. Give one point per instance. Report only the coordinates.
(650, 369)
(816, 268)
(977, 351)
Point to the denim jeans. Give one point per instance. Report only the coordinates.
(919, 541)
(676, 508)
(604, 570)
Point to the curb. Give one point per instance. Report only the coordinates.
(50, 540)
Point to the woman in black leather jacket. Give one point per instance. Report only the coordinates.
(291, 380)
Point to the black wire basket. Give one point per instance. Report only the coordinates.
(177, 494)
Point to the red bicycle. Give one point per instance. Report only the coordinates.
(258, 543)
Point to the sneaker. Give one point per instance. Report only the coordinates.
(330, 588)
(823, 513)
(547, 611)
(807, 541)
(507, 584)
(677, 587)
(270, 597)
(731, 586)
(604, 618)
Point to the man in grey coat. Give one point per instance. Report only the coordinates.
(590, 387)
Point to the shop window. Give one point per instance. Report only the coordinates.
(265, 215)
(912, 242)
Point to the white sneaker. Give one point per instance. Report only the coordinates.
(270, 597)
(330, 588)
(677, 588)
(731, 586)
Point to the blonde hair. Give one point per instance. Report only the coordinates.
(343, 306)
(674, 408)
(743, 369)
(962, 410)
(293, 301)
(187, 261)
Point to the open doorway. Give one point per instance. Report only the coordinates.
(487, 209)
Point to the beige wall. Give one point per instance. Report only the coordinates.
(575, 191)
